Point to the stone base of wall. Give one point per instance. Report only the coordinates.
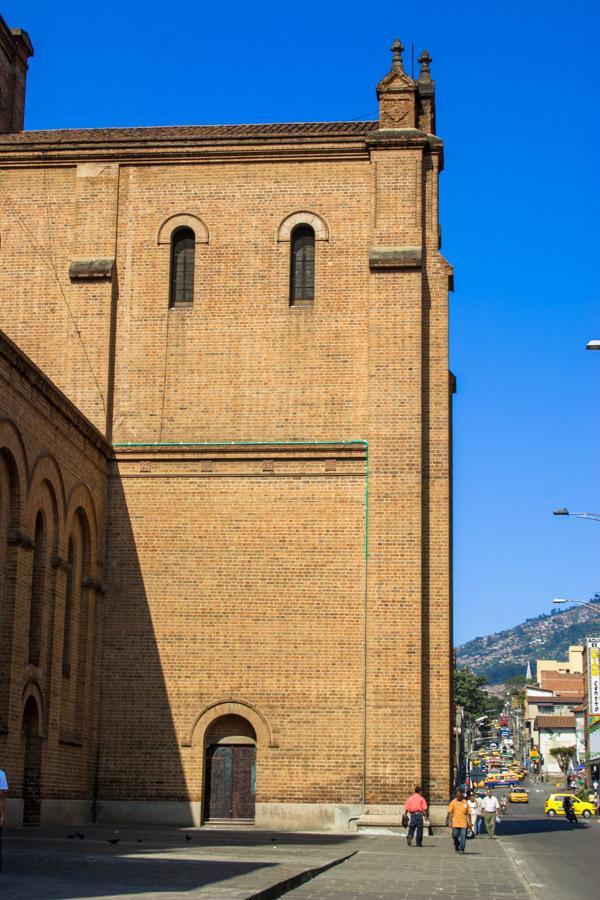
(13, 812)
(275, 816)
(149, 812)
(307, 816)
(52, 812)
(66, 812)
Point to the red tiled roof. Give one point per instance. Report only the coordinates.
(559, 697)
(274, 131)
(554, 722)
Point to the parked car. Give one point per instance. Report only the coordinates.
(554, 806)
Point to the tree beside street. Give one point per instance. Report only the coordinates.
(469, 693)
(563, 756)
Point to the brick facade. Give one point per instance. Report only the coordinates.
(245, 433)
(53, 475)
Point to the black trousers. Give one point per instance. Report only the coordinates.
(416, 824)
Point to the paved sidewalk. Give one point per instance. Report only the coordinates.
(385, 868)
(172, 864)
(162, 864)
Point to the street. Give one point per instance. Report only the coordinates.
(533, 857)
(552, 854)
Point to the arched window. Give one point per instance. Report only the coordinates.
(37, 590)
(302, 265)
(66, 663)
(8, 572)
(183, 251)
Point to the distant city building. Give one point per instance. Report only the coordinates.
(572, 665)
(554, 713)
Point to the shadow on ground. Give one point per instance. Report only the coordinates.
(520, 826)
(47, 864)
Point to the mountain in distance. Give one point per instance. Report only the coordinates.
(506, 653)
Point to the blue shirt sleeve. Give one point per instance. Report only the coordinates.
(3, 781)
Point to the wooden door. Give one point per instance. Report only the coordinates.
(32, 780)
(32, 764)
(230, 782)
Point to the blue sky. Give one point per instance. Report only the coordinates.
(517, 96)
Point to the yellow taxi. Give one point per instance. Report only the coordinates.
(554, 806)
(518, 795)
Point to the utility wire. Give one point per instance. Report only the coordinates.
(47, 259)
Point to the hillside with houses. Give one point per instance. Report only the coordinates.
(506, 653)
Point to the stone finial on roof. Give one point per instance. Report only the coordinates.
(424, 60)
(397, 49)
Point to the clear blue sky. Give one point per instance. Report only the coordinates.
(517, 94)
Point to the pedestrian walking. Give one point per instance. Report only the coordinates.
(3, 789)
(479, 814)
(472, 803)
(459, 819)
(490, 812)
(416, 807)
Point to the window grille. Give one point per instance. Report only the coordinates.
(183, 251)
(302, 282)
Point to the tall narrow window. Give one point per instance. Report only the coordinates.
(66, 665)
(183, 251)
(302, 280)
(37, 590)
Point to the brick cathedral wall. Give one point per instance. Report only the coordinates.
(58, 464)
(243, 585)
(367, 360)
(241, 363)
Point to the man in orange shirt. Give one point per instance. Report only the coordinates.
(459, 818)
(416, 805)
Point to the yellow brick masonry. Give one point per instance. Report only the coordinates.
(242, 578)
(54, 462)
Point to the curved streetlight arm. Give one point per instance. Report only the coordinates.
(594, 606)
(593, 517)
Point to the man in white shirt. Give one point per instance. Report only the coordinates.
(490, 811)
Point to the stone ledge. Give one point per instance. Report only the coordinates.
(92, 269)
(395, 258)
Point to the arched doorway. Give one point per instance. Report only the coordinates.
(32, 767)
(230, 770)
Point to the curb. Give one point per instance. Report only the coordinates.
(294, 881)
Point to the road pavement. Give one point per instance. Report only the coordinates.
(558, 860)
(534, 858)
